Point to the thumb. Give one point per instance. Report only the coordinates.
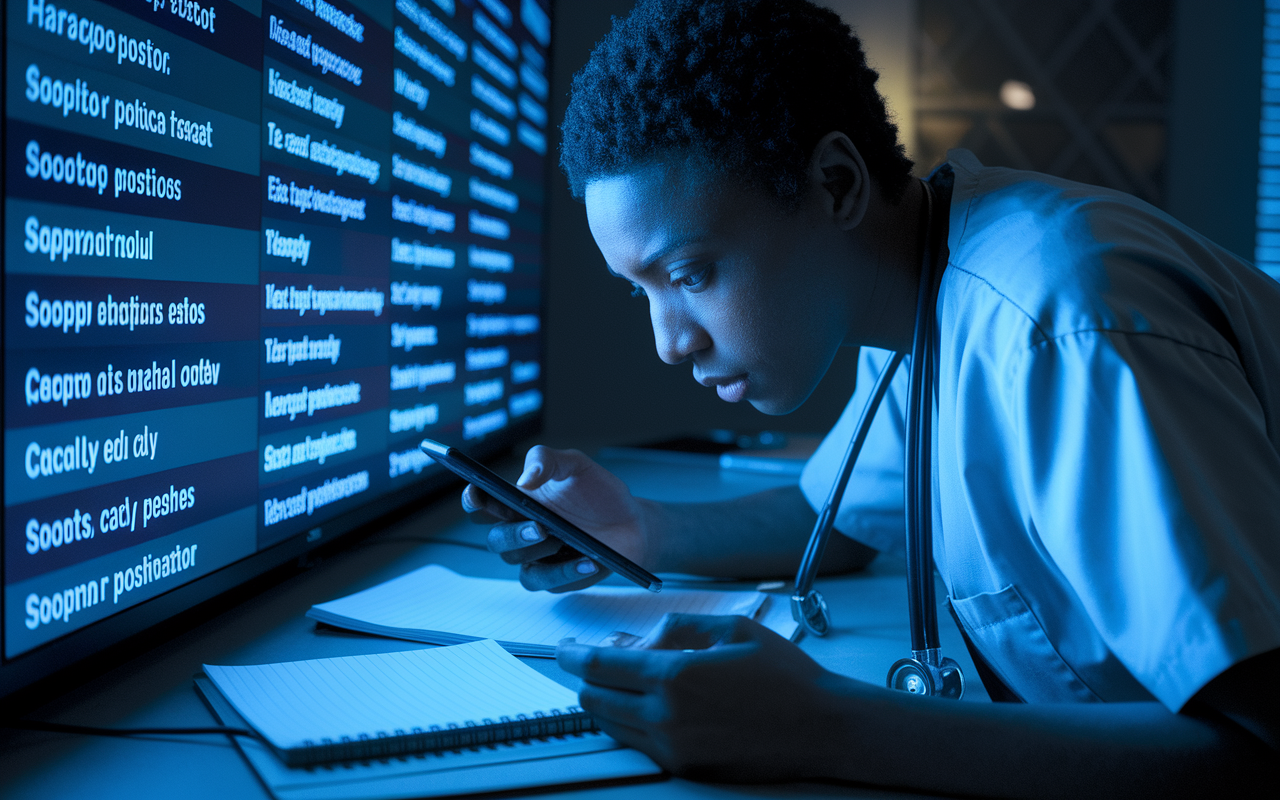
(536, 467)
(542, 464)
(694, 632)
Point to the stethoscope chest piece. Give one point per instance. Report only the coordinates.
(927, 674)
(810, 610)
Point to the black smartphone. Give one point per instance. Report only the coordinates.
(472, 471)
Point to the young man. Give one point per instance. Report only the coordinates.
(1106, 438)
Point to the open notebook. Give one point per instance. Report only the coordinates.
(438, 606)
(387, 718)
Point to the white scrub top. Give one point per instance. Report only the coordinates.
(1107, 424)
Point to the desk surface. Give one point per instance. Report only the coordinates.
(154, 689)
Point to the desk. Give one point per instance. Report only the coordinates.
(154, 689)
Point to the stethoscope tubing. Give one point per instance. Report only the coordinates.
(817, 545)
(921, 602)
(807, 604)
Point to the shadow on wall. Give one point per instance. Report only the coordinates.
(605, 382)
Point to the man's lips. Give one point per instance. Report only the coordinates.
(731, 388)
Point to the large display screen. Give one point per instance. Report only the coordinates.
(254, 251)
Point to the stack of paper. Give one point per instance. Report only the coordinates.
(438, 606)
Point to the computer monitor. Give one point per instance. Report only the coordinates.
(254, 251)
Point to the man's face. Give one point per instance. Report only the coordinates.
(758, 298)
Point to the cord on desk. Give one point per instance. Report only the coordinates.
(88, 730)
(427, 540)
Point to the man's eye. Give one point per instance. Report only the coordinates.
(694, 281)
(636, 291)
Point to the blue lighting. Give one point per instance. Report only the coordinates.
(1266, 252)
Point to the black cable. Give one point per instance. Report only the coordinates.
(88, 730)
(427, 540)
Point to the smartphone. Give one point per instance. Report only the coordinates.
(472, 471)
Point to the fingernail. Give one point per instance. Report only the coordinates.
(529, 474)
(467, 505)
(620, 639)
(567, 640)
(530, 533)
(586, 566)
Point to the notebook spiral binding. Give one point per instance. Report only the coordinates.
(451, 737)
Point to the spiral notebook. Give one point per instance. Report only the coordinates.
(394, 704)
(436, 605)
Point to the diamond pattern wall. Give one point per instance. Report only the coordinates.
(1099, 70)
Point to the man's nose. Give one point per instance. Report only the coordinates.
(676, 335)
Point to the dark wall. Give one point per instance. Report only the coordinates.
(1213, 119)
(605, 381)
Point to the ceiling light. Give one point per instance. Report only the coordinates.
(1017, 95)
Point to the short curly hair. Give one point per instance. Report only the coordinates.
(749, 85)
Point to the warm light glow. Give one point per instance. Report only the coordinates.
(1017, 95)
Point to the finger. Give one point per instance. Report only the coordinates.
(518, 542)
(555, 575)
(629, 737)
(482, 508)
(627, 709)
(622, 668)
(472, 498)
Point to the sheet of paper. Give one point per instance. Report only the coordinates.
(435, 598)
(332, 698)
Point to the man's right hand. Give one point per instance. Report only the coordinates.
(584, 493)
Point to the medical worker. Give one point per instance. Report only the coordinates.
(1106, 433)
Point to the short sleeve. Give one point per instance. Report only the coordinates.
(1154, 488)
(872, 511)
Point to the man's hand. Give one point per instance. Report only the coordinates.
(719, 698)
(581, 491)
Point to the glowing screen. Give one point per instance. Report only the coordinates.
(254, 250)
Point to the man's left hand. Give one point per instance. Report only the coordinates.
(711, 697)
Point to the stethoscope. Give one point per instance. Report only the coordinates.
(926, 672)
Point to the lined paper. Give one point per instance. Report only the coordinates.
(293, 702)
(437, 600)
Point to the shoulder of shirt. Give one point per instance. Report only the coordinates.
(1071, 258)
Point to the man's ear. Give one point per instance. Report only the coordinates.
(839, 178)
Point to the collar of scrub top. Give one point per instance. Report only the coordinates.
(926, 672)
